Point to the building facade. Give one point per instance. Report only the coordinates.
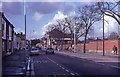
(7, 36)
(57, 39)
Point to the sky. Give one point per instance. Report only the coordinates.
(40, 14)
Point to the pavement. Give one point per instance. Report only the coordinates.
(14, 65)
(94, 56)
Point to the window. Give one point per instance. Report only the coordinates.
(2, 29)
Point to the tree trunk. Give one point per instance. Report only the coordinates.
(84, 49)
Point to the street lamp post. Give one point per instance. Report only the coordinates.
(25, 20)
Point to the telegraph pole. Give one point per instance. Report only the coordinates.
(103, 37)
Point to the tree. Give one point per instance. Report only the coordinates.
(113, 35)
(110, 9)
(79, 28)
(88, 15)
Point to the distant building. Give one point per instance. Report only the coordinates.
(7, 36)
(21, 40)
(57, 39)
(17, 42)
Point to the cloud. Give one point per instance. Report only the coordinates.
(58, 16)
(37, 16)
(44, 7)
(110, 26)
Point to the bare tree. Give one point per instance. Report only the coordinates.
(110, 9)
(78, 27)
(88, 15)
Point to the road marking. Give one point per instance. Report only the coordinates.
(63, 67)
(72, 73)
(67, 70)
(108, 65)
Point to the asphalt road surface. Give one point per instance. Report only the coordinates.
(57, 64)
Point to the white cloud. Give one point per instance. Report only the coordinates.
(110, 26)
(58, 16)
(72, 13)
(37, 16)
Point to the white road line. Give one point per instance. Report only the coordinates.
(109, 65)
(72, 73)
(67, 70)
(62, 67)
(115, 66)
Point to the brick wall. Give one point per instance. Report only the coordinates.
(98, 45)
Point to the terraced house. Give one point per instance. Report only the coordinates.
(7, 36)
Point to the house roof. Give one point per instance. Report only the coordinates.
(3, 16)
(55, 33)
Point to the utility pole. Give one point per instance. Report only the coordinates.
(103, 37)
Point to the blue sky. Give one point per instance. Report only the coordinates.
(40, 14)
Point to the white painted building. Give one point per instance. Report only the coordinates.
(7, 36)
(17, 42)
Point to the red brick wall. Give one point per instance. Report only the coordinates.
(98, 45)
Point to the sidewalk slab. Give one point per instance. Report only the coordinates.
(14, 64)
(91, 56)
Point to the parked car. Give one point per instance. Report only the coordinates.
(49, 50)
(34, 51)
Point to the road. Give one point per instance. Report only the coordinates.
(57, 64)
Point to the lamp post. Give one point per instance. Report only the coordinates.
(25, 19)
